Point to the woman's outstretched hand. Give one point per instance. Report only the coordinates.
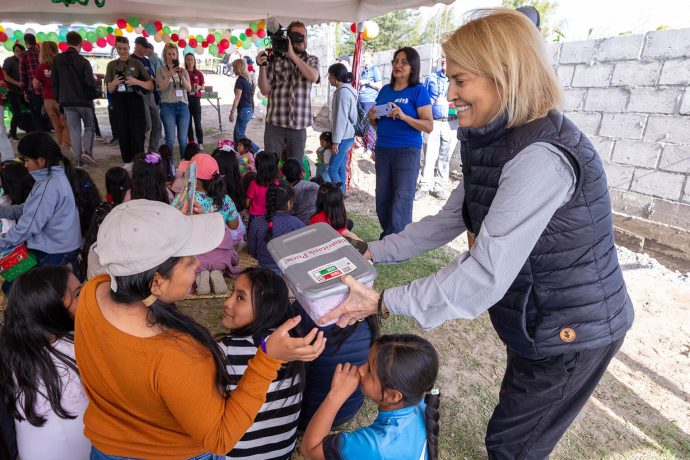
(360, 303)
(280, 346)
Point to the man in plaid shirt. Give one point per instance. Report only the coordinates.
(287, 80)
(28, 63)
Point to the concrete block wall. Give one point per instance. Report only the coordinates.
(631, 96)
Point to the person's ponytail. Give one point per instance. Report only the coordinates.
(431, 417)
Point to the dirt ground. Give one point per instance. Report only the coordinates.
(641, 409)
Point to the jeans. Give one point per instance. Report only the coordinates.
(98, 455)
(74, 117)
(396, 177)
(440, 145)
(322, 171)
(36, 108)
(6, 151)
(175, 116)
(337, 167)
(244, 116)
(195, 120)
(153, 122)
(539, 399)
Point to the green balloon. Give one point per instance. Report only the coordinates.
(8, 44)
(133, 20)
(41, 36)
(233, 40)
(212, 48)
(101, 32)
(246, 45)
(199, 38)
(53, 37)
(18, 34)
(165, 30)
(110, 29)
(254, 26)
(243, 37)
(82, 33)
(91, 36)
(218, 36)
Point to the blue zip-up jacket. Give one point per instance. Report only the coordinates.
(48, 221)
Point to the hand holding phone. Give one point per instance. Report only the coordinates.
(382, 110)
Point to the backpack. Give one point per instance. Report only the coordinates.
(362, 124)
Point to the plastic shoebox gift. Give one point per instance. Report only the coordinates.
(15, 262)
(312, 260)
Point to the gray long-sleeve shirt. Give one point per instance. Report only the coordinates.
(533, 185)
(344, 113)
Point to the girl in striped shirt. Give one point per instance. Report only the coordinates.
(259, 303)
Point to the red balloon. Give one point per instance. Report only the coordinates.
(159, 25)
(210, 38)
(110, 38)
(3, 37)
(121, 23)
(353, 28)
(174, 37)
(204, 44)
(224, 43)
(249, 32)
(87, 46)
(63, 46)
(101, 42)
(261, 33)
(144, 34)
(192, 43)
(181, 43)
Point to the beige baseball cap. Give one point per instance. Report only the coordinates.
(140, 235)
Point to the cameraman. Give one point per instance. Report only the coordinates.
(286, 79)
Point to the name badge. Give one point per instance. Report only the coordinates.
(179, 93)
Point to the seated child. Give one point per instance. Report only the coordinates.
(245, 155)
(305, 192)
(276, 222)
(210, 195)
(399, 377)
(266, 172)
(259, 304)
(149, 179)
(117, 184)
(230, 171)
(330, 208)
(90, 265)
(323, 155)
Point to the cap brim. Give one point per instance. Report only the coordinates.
(207, 233)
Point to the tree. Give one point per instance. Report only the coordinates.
(396, 29)
(439, 26)
(549, 30)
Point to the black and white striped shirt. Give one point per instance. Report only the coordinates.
(272, 436)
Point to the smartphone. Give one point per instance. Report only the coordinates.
(191, 186)
(175, 63)
(382, 110)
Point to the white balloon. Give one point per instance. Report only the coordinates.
(199, 49)
(30, 31)
(227, 34)
(139, 29)
(166, 38)
(183, 33)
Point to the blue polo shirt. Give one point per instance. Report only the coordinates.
(367, 93)
(394, 435)
(392, 133)
(437, 85)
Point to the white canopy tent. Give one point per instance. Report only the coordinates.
(202, 13)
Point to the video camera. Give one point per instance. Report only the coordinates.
(280, 42)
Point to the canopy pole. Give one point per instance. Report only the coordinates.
(355, 83)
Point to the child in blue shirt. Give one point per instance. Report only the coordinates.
(399, 376)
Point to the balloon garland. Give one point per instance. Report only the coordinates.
(217, 43)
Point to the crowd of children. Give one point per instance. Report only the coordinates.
(57, 212)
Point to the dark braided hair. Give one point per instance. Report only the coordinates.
(266, 167)
(330, 200)
(278, 196)
(409, 364)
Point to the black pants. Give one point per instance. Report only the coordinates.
(15, 102)
(96, 128)
(112, 120)
(36, 108)
(128, 109)
(539, 399)
(195, 120)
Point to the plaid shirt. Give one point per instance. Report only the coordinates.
(28, 63)
(289, 102)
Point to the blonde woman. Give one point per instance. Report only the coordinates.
(174, 84)
(43, 82)
(243, 105)
(543, 263)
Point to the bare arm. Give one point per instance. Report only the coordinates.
(264, 86)
(235, 103)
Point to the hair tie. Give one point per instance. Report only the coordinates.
(153, 158)
(434, 392)
(86, 185)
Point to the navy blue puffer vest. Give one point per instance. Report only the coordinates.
(570, 294)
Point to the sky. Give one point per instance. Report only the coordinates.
(606, 17)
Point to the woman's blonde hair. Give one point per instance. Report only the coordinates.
(48, 51)
(505, 46)
(170, 46)
(239, 66)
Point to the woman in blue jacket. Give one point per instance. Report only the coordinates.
(399, 140)
(48, 222)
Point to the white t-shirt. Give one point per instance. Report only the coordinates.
(58, 438)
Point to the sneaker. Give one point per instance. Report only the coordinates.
(203, 286)
(128, 167)
(218, 282)
(14, 138)
(114, 141)
(421, 193)
(441, 194)
(86, 158)
(201, 146)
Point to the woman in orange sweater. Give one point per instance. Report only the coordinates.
(155, 379)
